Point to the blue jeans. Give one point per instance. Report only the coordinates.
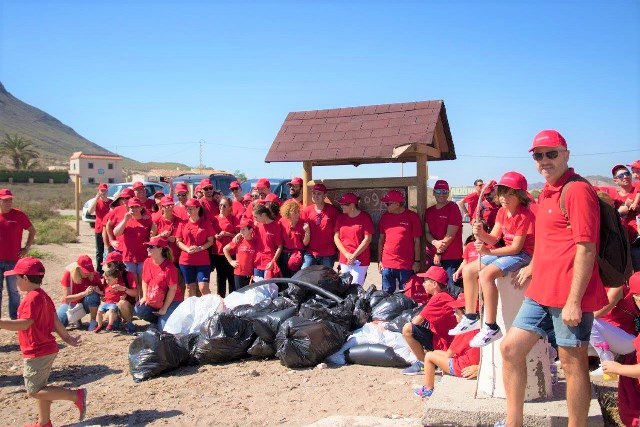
(12, 288)
(451, 265)
(310, 260)
(146, 312)
(91, 300)
(392, 275)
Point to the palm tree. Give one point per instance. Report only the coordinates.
(20, 150)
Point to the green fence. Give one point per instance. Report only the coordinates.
(38, 176)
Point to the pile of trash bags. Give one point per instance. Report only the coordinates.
(316, 315)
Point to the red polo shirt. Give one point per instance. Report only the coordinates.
(37, 340)
(351, 232)
(555, 244)
(438, 220)
(399, 231)
(321, 225)
(521, 223)
(12, 224)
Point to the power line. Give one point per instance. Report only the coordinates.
(187, 143)
(527, 157)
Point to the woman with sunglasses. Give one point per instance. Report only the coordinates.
(296, 235)
(225, 226)
(269, 241)
(194, 238)
(443, 231)
(160, 291)
(166, 225)
(182, 195)
(135, 228)
(352, 236)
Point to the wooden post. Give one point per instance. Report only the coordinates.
(307, 175)
(421, 194)
(77, 202)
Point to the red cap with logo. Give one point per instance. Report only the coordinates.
(263, 183)
(85, 264)
(193, 202)
(137, 184)
(441, 184)
(158, 241)
(246, 222)
(114, 256)
(548, 138)
(635, 165)
(28, 265)
(514, 180)
(320, 187)
(436, 273)
(181, 187)
(247, 197)
(295, 181)
(272, 198)
(102, 186)
(127, 192)
(634, 283)
(206, 182)
(234, 184)
(348, 198)
(5, 194)
(393, 196)
(166, 201)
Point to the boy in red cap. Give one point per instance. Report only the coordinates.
(459, 360)
(36, 319)
(428, 330)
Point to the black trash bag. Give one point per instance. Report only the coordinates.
(319, 308)
(282, 302)
(377, 297)
(396, 324)
(361, 313)
(392, 306)
(243, 310)
(324, 277)
(247, 311)
(260, 348)
(302, 343)
(224, 338)
(152, 352)
(188, 341)
(266, 325)
(374, 355)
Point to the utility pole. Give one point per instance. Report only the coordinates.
(201, 142)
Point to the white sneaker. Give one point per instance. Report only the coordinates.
(465, 325)
(485, 336)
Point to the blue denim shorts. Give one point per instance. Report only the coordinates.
(134, 267)
(105, 306)
(507, 263)
(543, 320)
(195, 273)
(452, 371)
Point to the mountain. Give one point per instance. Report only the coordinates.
(53, 139)
(597, 180)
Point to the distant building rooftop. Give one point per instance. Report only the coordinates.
(81, 155)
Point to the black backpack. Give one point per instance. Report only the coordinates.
(614, 254)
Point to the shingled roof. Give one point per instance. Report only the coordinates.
(389, 133)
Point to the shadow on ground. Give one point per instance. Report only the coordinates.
(139, 417)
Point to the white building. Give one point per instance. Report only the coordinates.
(95, 168)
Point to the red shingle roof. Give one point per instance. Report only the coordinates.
(389, 133)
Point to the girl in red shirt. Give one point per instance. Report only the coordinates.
(135, 228)
(268, 234)
(244, 247)
(225, 226)
(352, 235)
(80, 285)
(296, 235)
(515, 226)
(166, 225)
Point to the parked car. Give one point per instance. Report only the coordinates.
(151, 188)
(220, 181)
(278, 186)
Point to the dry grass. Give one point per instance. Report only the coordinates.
(54, 196)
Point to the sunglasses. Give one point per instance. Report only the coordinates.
(623, 175)
(550, 155)
(182, 194)
(440, 192)
(168, 206)
(152, 246)
(208, 188)
(235, 189)
(222, 205)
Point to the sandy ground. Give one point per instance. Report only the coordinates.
(249, 392)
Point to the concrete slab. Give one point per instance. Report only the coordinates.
(452, 404)
(361, 421)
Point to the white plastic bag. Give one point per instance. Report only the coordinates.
(192, 313)
(251, 296)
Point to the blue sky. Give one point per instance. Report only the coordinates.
(152, 78)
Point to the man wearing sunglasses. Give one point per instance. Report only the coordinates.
(237, 207)
(625, 199)
(209, 202)
(565, 287)
(321, 218)
(182, 195)
(471, 200)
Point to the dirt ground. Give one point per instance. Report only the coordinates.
(249, 392)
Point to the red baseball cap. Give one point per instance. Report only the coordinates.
(126, 192)
(441, 184)
(458, 302)
(514, 180)
(295, 181)
(263, 183)
(158, 194)
(134, 201)
(348, 198)
(635, 165)
(166, 201)
(234, 184)
(206, 182)
(320, 187)
(85, 264)
(247, 197)
(102, 186)
(5, 194)
(548, 138)
(490, 186)
(161, 242)
(393, 196)
(436, 273)
(616, 167)
(246, 222)
(198, 188)
(181, 187)
(193, 202)
(634, 283)
(272, 198)
(114, 256)
(137, 184)
(27, 265)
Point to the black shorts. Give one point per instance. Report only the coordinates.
(423, 335)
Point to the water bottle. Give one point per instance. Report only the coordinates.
(606, 354)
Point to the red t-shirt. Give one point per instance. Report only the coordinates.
(292, 237)
(471, 200)
(629, 391)
(623, 313)
(245, 255)
(629, 221)
(78, 287)
(136, 232)
(12, 224)
(470, 253)
(111, 296)
(414, 289)
(102, 209)
(351, 232)
(555, 244)
(463, 354)
(438, 220)
(163, 224)
(181, 212)
(211, 208)
(229, 224)
(522, 223)
(321, 225)
(399, 231)
(441, 319)
(489, 212)
(195, 234)
(158, 278)
(268, 237)
(237, 209)
(37, 340)
(115, 216)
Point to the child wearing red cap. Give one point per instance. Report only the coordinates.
(245, 250)
(515, 226)
(459, 360)
(36, 320)
(80, 285)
